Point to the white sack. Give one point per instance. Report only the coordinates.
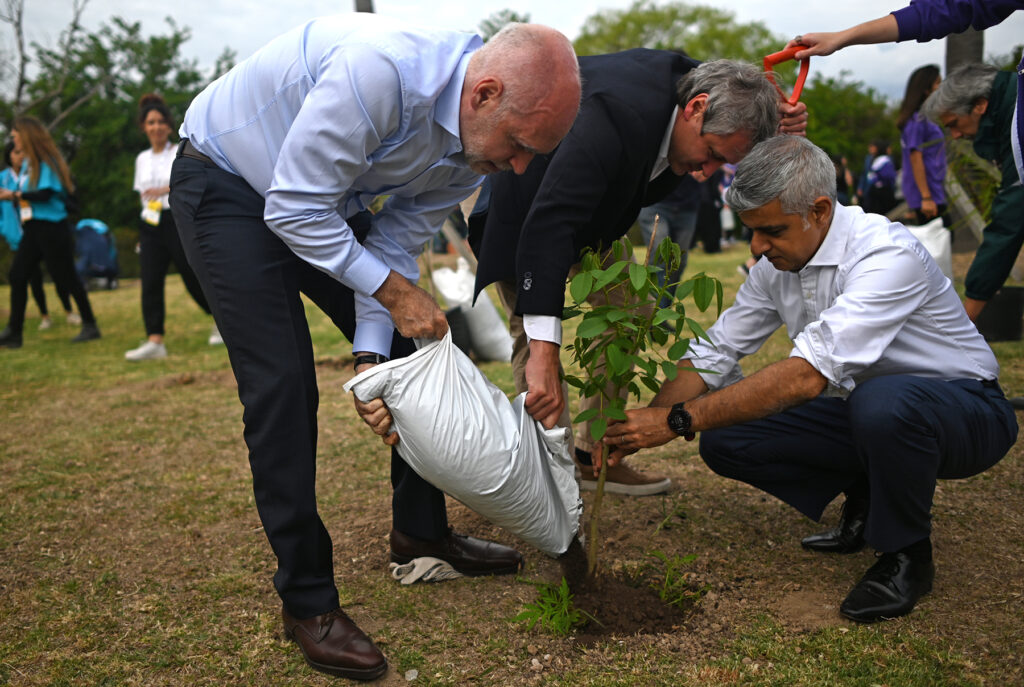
(460, 433)
(488, 334)
(938, 241)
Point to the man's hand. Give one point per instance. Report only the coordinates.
(819, 44)
(413, 311)
(544, 399)
(792, 118)
(374, 412)
(644, 428)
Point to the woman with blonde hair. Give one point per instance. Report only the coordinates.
(44, 187)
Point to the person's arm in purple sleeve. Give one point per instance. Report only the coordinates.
(922, 20)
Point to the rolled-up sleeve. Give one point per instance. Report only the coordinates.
(879, 294)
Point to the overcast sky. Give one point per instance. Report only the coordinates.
(246, 25)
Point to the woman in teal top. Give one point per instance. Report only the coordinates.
(10, 229)
(44, 184)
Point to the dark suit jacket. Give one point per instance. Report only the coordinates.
(589, 191)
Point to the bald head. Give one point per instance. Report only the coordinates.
(520, 97)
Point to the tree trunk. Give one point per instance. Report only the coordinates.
(964, 48)
(364, 6)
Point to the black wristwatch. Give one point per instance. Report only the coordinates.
(370, 358)
(679, 420)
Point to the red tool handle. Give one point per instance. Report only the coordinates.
(782, 56)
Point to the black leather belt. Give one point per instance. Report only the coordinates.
(991, 384)
(186, 149)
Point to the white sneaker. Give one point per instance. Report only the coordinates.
(45, 323)
(215, 337)
(147, 351)
(74, 318)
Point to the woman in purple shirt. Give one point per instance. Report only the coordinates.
(924, 153)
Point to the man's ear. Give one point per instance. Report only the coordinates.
(980, 106)
(696, 106)
(487, 92)
(822, 210)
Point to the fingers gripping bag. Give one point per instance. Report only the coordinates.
(460, 433)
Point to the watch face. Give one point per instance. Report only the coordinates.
(679, 420)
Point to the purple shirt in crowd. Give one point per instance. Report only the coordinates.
(925, 136)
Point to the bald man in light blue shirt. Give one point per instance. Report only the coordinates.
(279, 161)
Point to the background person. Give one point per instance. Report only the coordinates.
(159, 243)
(924, 149)
(888, 388)
(279, 160)
(44, 186)
(976, 102)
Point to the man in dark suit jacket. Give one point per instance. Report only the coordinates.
(647, 118)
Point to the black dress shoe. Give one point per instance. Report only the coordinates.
(468, 555)
(89, 332)
(333, 644)
(10, 339)
(848, 535)
(890, 588)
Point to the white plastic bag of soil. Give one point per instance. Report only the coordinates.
(488, 335)
(461, 434)
(938, 241)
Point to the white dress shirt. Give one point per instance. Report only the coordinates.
(549, 328)
(870, 302)
(153, 170)
(327, 117)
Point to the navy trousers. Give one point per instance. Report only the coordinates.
(159, 246)
(252, 282)
(896, 434)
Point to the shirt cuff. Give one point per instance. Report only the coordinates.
(543, 328)
(365, 274)
(908, 24)
(373, 337)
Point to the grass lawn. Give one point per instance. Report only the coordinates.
(131, 552)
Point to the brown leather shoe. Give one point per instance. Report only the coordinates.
(468, 555)
(621, 478)
(333, 644)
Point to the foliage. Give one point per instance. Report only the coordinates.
(616, 346)
(845, 116)
(705, 33)
(553, 609)
(496, 21)
(674, 583)
(93, 114)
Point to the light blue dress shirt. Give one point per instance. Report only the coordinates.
(332, 114)
(870, 302)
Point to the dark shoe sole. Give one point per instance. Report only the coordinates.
(840, 550)
(350, 673)
(511, 570)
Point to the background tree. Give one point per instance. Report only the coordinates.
(846, 116)
(497, 21)
(86, 88)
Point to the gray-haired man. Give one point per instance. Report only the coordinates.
(888, 386)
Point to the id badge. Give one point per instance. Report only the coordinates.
(151, 213)
(26, 211)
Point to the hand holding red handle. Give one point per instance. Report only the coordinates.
(782, 56)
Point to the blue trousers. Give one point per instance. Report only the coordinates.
(677, 223)
(252, 282)
(896, 434)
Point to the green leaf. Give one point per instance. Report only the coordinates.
(697, 329)
(684, 289)
(615, 413)
(678, 349)
(651, 384)
(605, 277)
(586, 415)
(617, 360)
(662, 315)
(703, 292)
(617, 315)
(574, 381)
(670, 370)
(579, 287)
(659, 335)
(569, 313)
(637, 276)
(598, 429)
(591, 327)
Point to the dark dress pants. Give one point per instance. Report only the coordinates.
(898, 434)
(252, 282)
(159, 246)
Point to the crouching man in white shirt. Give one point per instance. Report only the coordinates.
(888, 387)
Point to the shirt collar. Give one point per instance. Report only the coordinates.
(446, 108)
(661, 164)
(832, 249)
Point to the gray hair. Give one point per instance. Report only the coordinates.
(958, 93)
(789, 168)
(740, 98)
(522, 54)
